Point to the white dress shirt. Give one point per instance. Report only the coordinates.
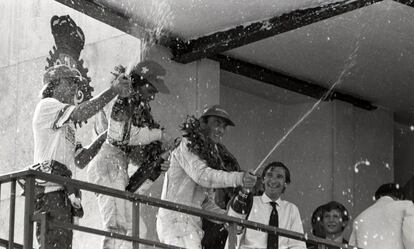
(289, 219)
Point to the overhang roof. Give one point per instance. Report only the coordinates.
(302, 45)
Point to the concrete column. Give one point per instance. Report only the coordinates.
(193, 86)
(208, 84)
(342, 152)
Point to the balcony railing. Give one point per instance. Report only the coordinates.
(29, 217)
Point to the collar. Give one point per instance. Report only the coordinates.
(339, 239)
(266, 199)
(385, 199)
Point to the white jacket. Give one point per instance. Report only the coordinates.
(190, 181)
(387, 224)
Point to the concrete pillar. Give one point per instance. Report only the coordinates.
(342, 152)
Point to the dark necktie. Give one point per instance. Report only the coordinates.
(273, 239)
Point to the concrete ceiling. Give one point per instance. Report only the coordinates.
(379, 38)
(194, 18)
(382, 36)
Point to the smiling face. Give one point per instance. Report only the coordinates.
(214, 127)
(332, 223)
(274, 182)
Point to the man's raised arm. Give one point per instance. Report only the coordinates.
(120, 86)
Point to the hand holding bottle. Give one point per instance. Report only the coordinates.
(249, 180)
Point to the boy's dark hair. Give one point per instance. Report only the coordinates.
(389, 189)
(275, 165)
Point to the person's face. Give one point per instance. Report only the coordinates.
(148, 91)
(65, 90)
(215, 128)
(274, 182)
(332, 222)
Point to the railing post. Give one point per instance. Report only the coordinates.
(43, 229)
(232, 236)
(135, 223)
(12, 213)
(28, 212)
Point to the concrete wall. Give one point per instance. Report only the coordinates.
(321, 152)
(403, 152)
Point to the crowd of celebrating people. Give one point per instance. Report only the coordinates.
(199, 171)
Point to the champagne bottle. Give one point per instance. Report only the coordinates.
(143, 178)
(145, 175)
(240, 206)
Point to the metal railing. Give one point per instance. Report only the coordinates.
(29, 217)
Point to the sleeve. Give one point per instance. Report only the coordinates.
(205, 176)
(124, 133)
(121, 131)
(296, 226)
(53, 114)
(210, 205)
(408, 226)
(143, 135)
(78, 148)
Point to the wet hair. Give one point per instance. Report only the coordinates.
(47, 91)
(277, 165)
(389, 189)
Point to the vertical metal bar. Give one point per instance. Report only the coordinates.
(12, 213)
(0, 195)
(135, 223)
(232, 236)
(28, 212)
(43, 229)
